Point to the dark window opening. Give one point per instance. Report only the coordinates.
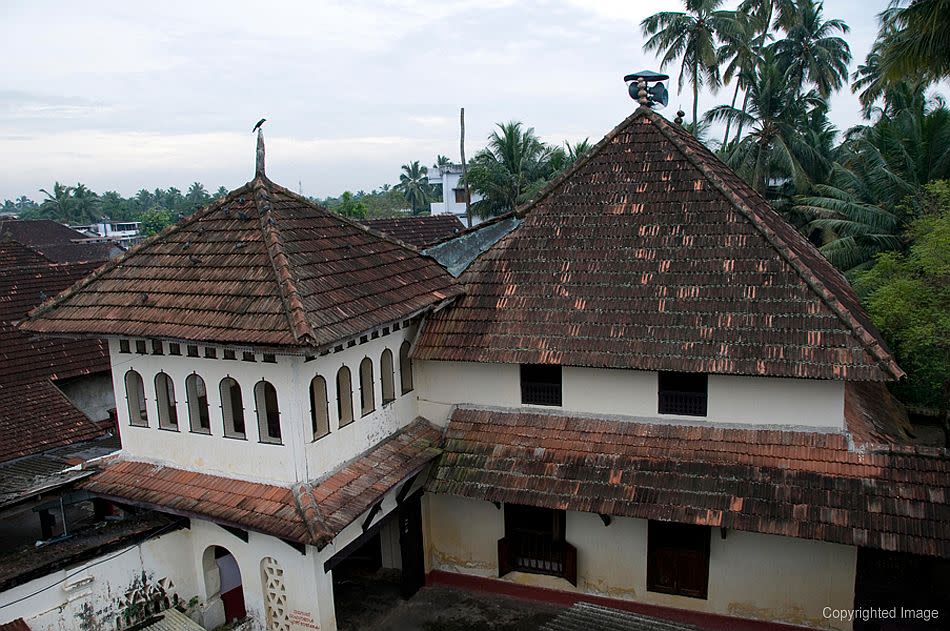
(459, 195)
(268, 412)
(174, 348)
(157, 348)
(540, 384)
(192, 350)
(248, 356)
(534, 542)
(124, 346)
(229, 354)
(269, 358)
(140, 347)
(683, 393)
(405, 368)
(678, 559)
(211, 353)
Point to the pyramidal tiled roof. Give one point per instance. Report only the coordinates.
(262, 266)
(651, 254)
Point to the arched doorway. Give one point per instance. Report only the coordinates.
(223, 585)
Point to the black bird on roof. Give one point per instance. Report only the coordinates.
(258, 125)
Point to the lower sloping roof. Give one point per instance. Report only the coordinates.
(418, 231)
(310, 513)
(799, 484)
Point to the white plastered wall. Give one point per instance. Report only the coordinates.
(731, 399)
(750, 575)
(299, 457)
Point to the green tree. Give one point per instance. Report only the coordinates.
(154, 220)
(908, 297)
(441, 161)
(775, 146)
(919, 44)
(221, 192)
(85, 205)
(58, 204)
(197, 196)
(738, 53)
(414, 184)
(811, 52)
(689, 36)
(514, 163)
(350, 206)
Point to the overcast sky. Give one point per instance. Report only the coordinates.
(126, 95)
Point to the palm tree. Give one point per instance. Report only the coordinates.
(57, 204)
(197, 195)
(441, 161)
(774, 146)
(221, 192)
(85, 205)
(920, 45)
(739, 52)
(811, 53)
(690, 37)
(578, 149)
(414, 184)
(513, 164)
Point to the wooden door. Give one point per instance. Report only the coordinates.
(410, 545)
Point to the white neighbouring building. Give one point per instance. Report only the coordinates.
(650, 392)
(449, 178)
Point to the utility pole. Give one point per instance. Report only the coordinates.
(468, 195)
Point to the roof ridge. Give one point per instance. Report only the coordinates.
(348, 220)
(286, 281)
(782, 247)
(110, 265)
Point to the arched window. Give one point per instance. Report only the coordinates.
(405, 368)
(344, 396)
(386, 376)
(232, 408)
(135, 395)
(165, 399)
(268, 414)
(319, 410)
(197, 395)
(367, 395)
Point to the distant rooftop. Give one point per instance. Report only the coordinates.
(418, 231)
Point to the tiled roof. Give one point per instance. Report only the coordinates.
(34, 414)
(311, 513)
(260, 266)
(79, 252)
(36, 232)
(15, 625)
(417, 231)
(651, 254)
(800, 484)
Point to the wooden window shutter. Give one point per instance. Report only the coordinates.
(504, 557)
(570, 563)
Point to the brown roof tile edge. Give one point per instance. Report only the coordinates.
(870, 342)
(293, 306)
(29, 325)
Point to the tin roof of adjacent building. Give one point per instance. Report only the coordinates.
(807, 484)
(260, 266)
(309, 513)
(651, 254)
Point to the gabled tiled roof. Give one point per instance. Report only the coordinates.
(37, 232)
(34, 414)
(260, 266)
(417, 231)
(311, 513)
(798, 484)
(651, 254)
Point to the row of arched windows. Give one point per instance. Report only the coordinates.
(319, 401)
(265, 399)
(199, 418)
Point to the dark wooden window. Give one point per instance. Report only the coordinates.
(678, 559)
(682, 393)
(459, 195)
(211, 353)
(405, 368)
(123, 346)
(157, 347)
(232, 408)
(541, 384)
(197, 395)
(248, 356)
(268, 412)
(229, 354)
(534, 542)
(140, 347)
(192, 350)
(174, 348)
(269, 358)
